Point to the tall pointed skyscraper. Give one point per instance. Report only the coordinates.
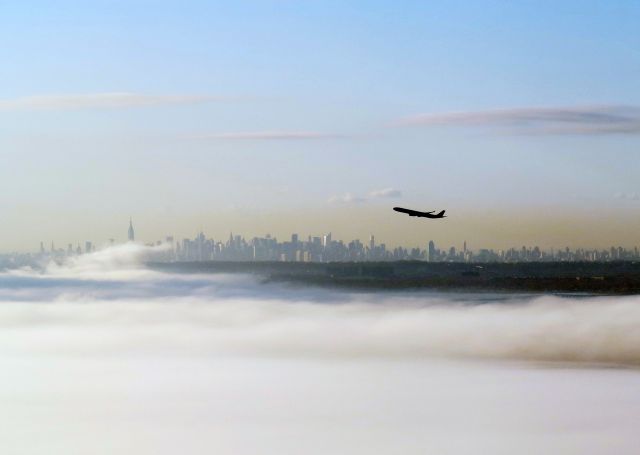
(130, 233)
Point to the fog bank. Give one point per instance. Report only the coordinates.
(121, 306)
(102, 356)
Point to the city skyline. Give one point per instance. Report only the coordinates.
(540, 227)
(327, 248)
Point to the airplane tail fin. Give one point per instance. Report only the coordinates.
(441, 214)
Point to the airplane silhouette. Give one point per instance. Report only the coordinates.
(420, 214)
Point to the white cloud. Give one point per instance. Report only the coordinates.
(605, 119)
(350, 198)
(386, 193)
(347, 198)
(109, 100)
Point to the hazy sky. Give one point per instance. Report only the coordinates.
(235, 115)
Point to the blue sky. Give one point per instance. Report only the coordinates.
(199, 111)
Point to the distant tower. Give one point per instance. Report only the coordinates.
(130, 234)
(431, 251)
(326, 240)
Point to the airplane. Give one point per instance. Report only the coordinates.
(420, 214)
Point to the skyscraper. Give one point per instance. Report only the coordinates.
(326, 240)
(130, 233)
(431, 251)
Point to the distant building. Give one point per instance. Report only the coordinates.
(325, 249)
(326, 240)
(431, 255)
(131, 234)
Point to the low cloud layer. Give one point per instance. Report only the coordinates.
(128, 360)
(606, 119)
(109, 100)
(107, 301)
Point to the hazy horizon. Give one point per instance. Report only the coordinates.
(547, 228)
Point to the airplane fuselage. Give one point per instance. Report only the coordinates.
(420, 214)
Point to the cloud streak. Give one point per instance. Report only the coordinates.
(350, 198)
(581, 120)
(627, 196)
(346, 198)
(108, 100)
(270, 136)
(391, 193)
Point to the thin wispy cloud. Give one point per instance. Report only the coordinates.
(270, 136)
(110, 100)
(346, 198)
(596, 120)
(391, 193)
(627, 196)
(350, 198)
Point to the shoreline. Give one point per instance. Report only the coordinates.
(593, 278)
